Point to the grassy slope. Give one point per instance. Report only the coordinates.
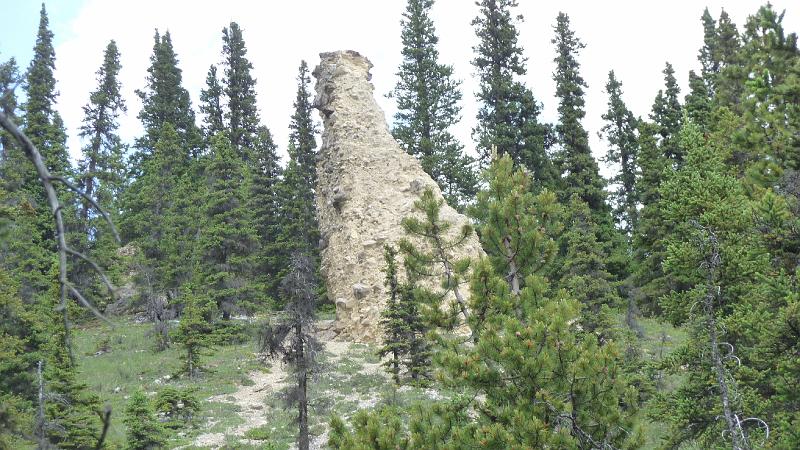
(346, 382)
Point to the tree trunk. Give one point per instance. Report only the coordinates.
(302, 384)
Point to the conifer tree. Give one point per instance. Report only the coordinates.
(160, 209)
(698, 101)
(227, 237)
(9, 79)
(144, 432)
(580, 172)
(667, 114)
(620, 131)
(584, 272)
(292, 339)
(436, 256)
(211, 105)
(298, 228)
(428, 100)
(194, 330)
(265, 204)
(404, 338)
(239, 88)
(100, 169)
(164, 100)
(508, 118)
(532, 381)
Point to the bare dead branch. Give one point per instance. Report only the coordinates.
(96, 268)
(100, 210)
(33, 154)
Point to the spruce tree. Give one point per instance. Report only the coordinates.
(404, 338)
(100, 169)
(194, 330)
(579, 168)
(164, 100)
(239, 89)
(265, 204)
(508, 118)
(226, 238)
(9, 79)
(620, 131)
(211, 105)
(667, 114)
(144, 432)
(298, 229)
(428, 100)
(698, 101)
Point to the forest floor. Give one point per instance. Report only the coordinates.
(243, 399)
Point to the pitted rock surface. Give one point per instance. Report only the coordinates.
(367, 184)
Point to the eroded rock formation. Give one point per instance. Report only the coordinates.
(367, 185)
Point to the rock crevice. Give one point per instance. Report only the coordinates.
(366, 185)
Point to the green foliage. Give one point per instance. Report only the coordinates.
(435, 262)
(165, 101)
(508, 118)
(239, 89)
(194, 332)
(620, 131)
(144, 431)
(177, 406)
(227, 238)
(404, 338)
(428, 106)
(667, 115)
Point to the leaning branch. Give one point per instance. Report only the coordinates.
(33, 154)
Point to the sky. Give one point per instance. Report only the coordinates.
(634, 38)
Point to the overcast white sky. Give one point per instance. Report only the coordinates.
(634, 38)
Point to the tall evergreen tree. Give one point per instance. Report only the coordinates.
(620, 131)
(9, 79)
(428, 106)
(164, 101)
(227, 238)
(667, 114)
(508, 118)
(101, 168)
(299, 230)
(239, 88)
(211, 105)
(580, 171)
(265, 203)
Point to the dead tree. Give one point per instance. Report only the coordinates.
(735, 425)
(291, 339)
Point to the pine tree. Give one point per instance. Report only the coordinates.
(292, 339)
(428, 106)
(164, 100)
(620, 131)
(143, 430)
(226, 238)
(508, 119)
(447, 307)
(211, 105)
(239, 88)
(532, 382)
(9, 79)
(667, 114)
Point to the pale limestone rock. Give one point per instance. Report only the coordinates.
(367, 185)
